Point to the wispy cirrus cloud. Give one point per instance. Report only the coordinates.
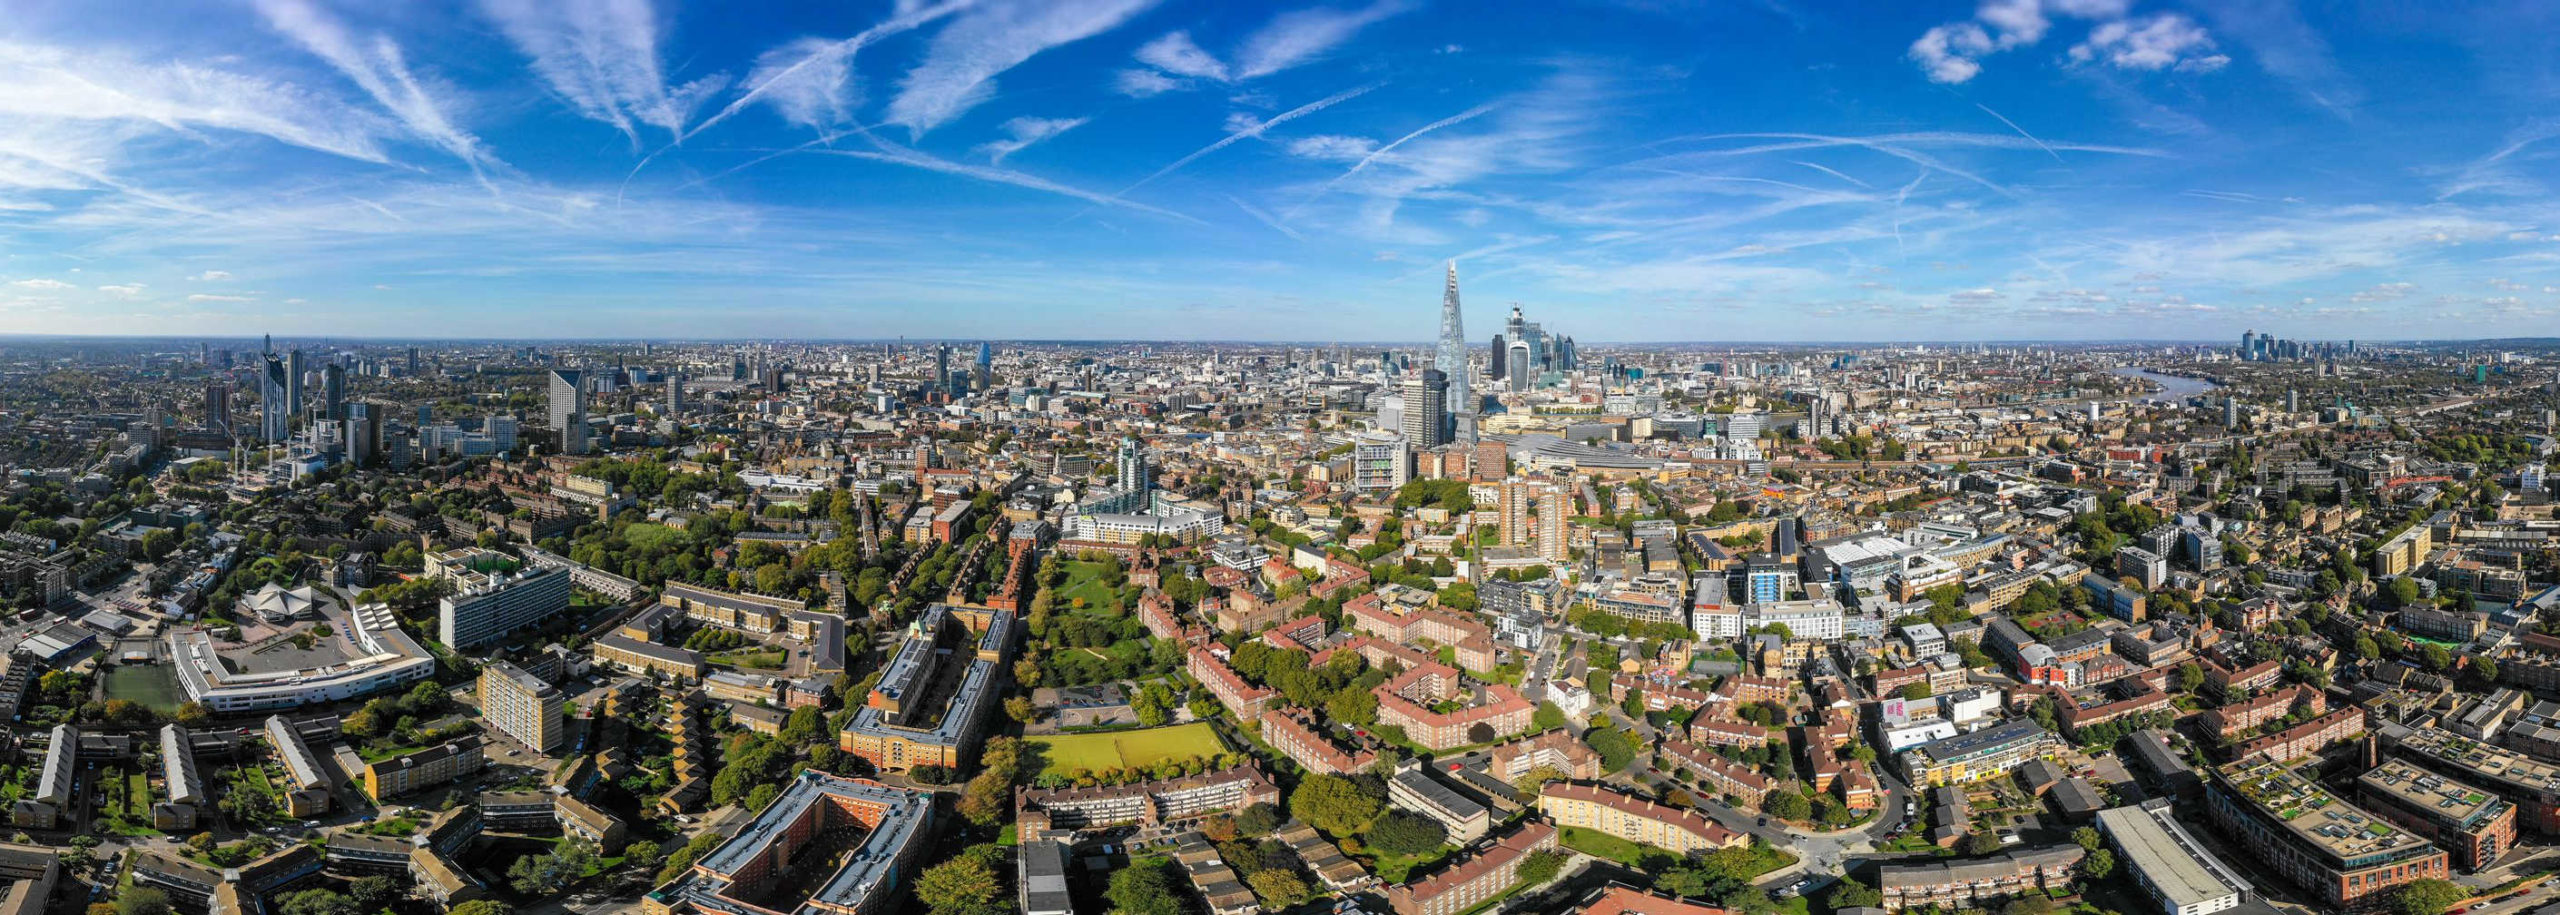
(806, 79)
(1023, 132)
(58, 84)
(379, 68)
(961, 62)
(1289, 40)
(602, 57)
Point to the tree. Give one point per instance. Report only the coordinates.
(374, 892)
(1258, 820)
(1787, 805)
(142, 900)
(2427, 897)
(1915, 691)
(2030, 905)
(1541, 867)
(1401, 833)
(1019, 709)
(192, 715)
(318, 902)
(2100, 864)
(1278, 888)
(965, 885)
(1142, 888)
(486, 906)
(2190, 677)
(1850, 894)
(2087, 838)
(1981, 843)
(1334, 804)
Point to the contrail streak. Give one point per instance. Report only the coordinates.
(2013, 125)
(1252, 132)
(1459, 118)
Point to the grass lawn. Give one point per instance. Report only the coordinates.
(1084, 582)
(1603, 845)
(1068, 752)
(764, 659)
(153, 685)
(1396, 869)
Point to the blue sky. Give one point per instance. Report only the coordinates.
(1634, 171)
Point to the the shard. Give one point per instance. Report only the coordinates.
(1452, 361)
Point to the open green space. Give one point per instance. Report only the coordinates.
(155, 686)
(127, 808)
(1086, 590)
(1603, 845)
(1066, 753)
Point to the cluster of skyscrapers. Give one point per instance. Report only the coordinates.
(2258, 347)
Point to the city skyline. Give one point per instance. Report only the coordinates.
(2013, 170)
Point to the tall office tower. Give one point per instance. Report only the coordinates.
(675, 394)
(333, 391)
(204, 354)
(413, 360)
(1553, 507)
(1426, 409)
(1135, 475)
(217, 405)
(2248, 343)
(363, 432)
(1494, 369)
(293, 381)
(569, 410)
(1452, 363)
(275, 418)
(1515, 511)
(941, 368)
(2231, 412)
(2293, 400)
(986, 366)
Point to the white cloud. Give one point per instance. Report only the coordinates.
(2158, 43)
(1027, 131)
(1332, 148)
(960, 64)
(211, 276)
(1144, 83)
(602, 57)
(1288, 40)
(788, 79)
(45, 284)
(128, 289)
(808, 83)
(48, 84)
(1297, 37)
(202, 298)
(1947, 52)
(2021, 22)
(1177, 55)
(379, 68)
(1953, 52)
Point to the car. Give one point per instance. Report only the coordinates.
(1454, 767)
(311, 824)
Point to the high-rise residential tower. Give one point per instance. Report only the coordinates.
(1426, 409)
(569, 409)
(275, 413)
(1554, 506)
(1452, 363)
(293, 382)
(1516, 493)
